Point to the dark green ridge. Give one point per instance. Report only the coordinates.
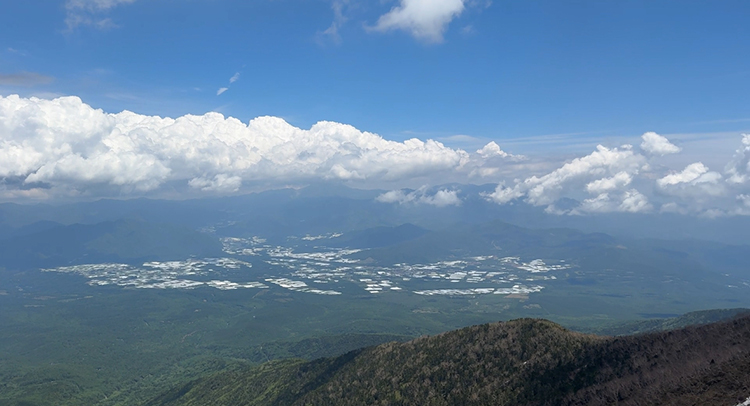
(521, 362)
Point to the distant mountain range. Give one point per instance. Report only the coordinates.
(599, 259)
(128, 241)
(320, 209)
(520, 362)
(589, 272)
(378, 237)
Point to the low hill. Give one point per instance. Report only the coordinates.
(521, 362)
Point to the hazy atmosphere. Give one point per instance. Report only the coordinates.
(391, 202)
(117, 98)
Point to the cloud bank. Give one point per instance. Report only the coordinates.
(624, 180)
(602, 172)
(64, 148)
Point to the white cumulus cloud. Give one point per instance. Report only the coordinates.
(65, 148)
(631, 201)
(616, 177)
(738, 169)
(603, 185)
(219, 183)
(605, 173)
(441, 198)
(492, 150)
(634, 201)
(544, 190)
(693, 173)
(396, 196)
(656, 144)
(490, 159)
(64, 145)
(505, 194)
(424, 19)
(744, 205)
(695, 181)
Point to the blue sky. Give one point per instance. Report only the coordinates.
(516, 93)
(505, 69)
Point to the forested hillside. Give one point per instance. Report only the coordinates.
(521, 362)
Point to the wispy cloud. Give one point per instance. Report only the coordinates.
(233, 79)
(462, 138)
(332, 33)
(468, 30)
(91, 13)
(122, 96)
(466, 142)
(24, 79)
(724, 121)
(17, 51)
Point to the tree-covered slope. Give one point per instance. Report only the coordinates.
(522, 362)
